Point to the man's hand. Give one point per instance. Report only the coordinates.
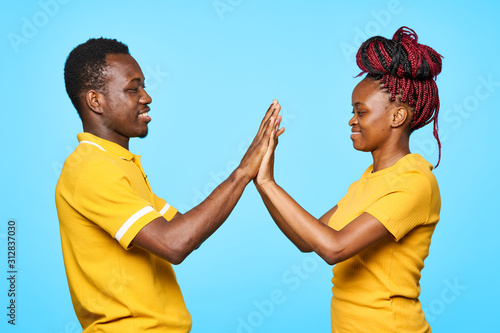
(251, 161)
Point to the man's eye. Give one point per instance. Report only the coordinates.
(133, 89)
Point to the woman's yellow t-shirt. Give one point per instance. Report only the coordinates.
(377, 290)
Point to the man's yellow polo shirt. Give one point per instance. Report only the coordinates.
(103, 200)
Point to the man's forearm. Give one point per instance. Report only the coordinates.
(174, 240)
(209, 215)
(196, 225)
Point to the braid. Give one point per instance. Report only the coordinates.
(407, 69)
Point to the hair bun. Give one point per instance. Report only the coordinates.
(402, 56)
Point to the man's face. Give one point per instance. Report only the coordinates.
(125, 104)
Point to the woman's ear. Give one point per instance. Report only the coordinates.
(399, 116)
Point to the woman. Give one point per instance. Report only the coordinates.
(379, 234)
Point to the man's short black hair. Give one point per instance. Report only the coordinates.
(86, 65)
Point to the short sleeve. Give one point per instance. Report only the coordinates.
(405, 206)
(167, 211)
(104, 195)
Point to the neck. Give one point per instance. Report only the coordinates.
(107, 135)
(385, 158)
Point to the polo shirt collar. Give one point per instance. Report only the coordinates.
(105, 145)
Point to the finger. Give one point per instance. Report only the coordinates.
(271, 144)
(272, 118)
(273, 141)
(277, 128)
(269, 113)
(279, 132)
(266, 135)
(277, 123)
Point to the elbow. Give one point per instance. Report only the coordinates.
(304, 249)
(176, 261)
(176, 257)
(332, 256)
(177, 253)
(330, 260)
(332, 249)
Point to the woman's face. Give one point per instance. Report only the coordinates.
(372, 116)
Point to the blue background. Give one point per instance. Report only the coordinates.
(212, 68)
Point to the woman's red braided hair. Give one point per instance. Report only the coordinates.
(408, 69)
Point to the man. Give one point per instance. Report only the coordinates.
(119, 239)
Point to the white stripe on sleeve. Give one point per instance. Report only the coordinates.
(164, 209)
(119, 234)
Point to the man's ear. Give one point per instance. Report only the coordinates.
(399, 116)
(94, 101)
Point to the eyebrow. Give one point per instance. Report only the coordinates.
(358, 104)
(134, 79)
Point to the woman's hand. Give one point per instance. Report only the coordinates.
(266, 170)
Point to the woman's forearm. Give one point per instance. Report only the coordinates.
(296, 221)
(282, 225)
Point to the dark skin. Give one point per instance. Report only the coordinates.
(118, 113)
(378, 126)
(121, 112)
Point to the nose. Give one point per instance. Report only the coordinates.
(354, 120)
(145, 98)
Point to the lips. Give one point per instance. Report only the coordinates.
(144, 114)
(145, 110)
(355, 132)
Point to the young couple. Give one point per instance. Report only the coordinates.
(119, 239)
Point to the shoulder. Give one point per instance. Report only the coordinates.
(88, 158)
(87, 165)
(412, 176)
(417, 172)
(415, 177)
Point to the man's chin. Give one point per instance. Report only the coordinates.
(141, 134)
